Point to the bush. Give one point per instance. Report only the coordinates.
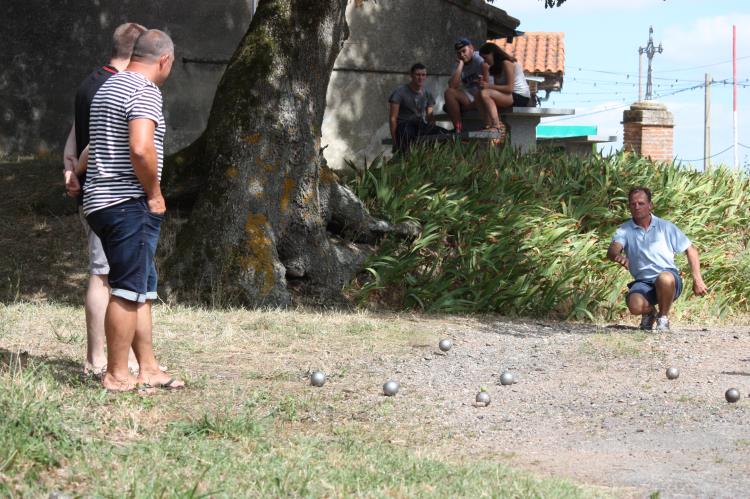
(527, 234)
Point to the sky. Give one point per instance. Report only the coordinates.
(602, 38)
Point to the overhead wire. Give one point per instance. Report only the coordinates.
(712, 156)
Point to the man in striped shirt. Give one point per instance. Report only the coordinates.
(124, 205)
(97, 291)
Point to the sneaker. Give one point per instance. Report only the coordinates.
(647, 321)
(662, 323)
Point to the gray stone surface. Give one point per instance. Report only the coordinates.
(49, 47)
(648, 113)
(385, 40)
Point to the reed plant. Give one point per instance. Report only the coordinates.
(527, 234)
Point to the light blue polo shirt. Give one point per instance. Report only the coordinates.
(651, 251)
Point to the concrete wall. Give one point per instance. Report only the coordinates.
(385, 40)
(49, 46)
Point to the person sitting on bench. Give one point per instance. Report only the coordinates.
(411, 106)
(506, 86)
(463, 86)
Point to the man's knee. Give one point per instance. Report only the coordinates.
(637, 304)
(666, 279)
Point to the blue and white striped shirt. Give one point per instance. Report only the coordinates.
(110, 178)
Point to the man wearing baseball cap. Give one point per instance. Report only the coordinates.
(463, 85)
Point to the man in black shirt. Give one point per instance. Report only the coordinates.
(97, 292)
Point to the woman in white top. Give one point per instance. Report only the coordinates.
(506, 86)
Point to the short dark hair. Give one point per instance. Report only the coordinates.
(645, 190)
(416, 66)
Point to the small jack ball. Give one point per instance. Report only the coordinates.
(506, 378)
(483, 398)
(445, 345)
(317, 378)
(673, 373)
(390, 388)
(732, 395)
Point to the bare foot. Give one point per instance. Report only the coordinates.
(97, 371)
(160, 379)
(121, 385)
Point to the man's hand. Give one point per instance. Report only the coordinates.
(622, 260)
(484, 83)
(72, 186)
(699, 287)
(157, 205)
(615, 254)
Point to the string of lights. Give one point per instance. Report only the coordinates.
(624, 99)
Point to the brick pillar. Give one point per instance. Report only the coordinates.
(649, 130)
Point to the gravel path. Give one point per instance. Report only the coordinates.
(591, 403)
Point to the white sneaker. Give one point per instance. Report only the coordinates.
(662, 323)
(647, 321)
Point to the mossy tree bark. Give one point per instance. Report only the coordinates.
(267, 213)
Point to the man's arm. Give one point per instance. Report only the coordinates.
(83, 162)
(70, 162)
(699, 287)
(145, 163)
(455, 80)
(615, 254)
(393, 119)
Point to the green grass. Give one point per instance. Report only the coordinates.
(527, 234)
(64, 434)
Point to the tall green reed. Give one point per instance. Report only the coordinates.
(527, 234)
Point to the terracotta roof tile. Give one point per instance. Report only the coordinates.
(538, 52)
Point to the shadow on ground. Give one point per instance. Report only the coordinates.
(41, 238)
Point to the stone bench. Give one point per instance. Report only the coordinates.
(466, 135)
(521, 122)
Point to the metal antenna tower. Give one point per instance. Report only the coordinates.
(650, 49)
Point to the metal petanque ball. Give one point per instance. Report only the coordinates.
(483, 398)
(445, 345)
(507, 378)
(317, 378)
(673, 373)
(390, 388)
(732, 395)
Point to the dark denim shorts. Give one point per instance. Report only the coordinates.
(648, 289)
(129, 235)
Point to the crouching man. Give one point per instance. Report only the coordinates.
(646, 245)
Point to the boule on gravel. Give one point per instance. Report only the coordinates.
(317, 378)
(673, 373)
(483, 398)
(445, 345)
(507, 378)
(732, 395)
(390, 388)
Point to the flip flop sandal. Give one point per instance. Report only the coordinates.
(168, 385)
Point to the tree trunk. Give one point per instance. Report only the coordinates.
(265, 204)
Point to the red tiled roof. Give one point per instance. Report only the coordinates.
(538, 53)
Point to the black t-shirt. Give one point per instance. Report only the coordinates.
(84, 95)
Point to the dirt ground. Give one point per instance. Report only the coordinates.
(592, 403)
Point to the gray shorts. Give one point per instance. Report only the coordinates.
(98, 264)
